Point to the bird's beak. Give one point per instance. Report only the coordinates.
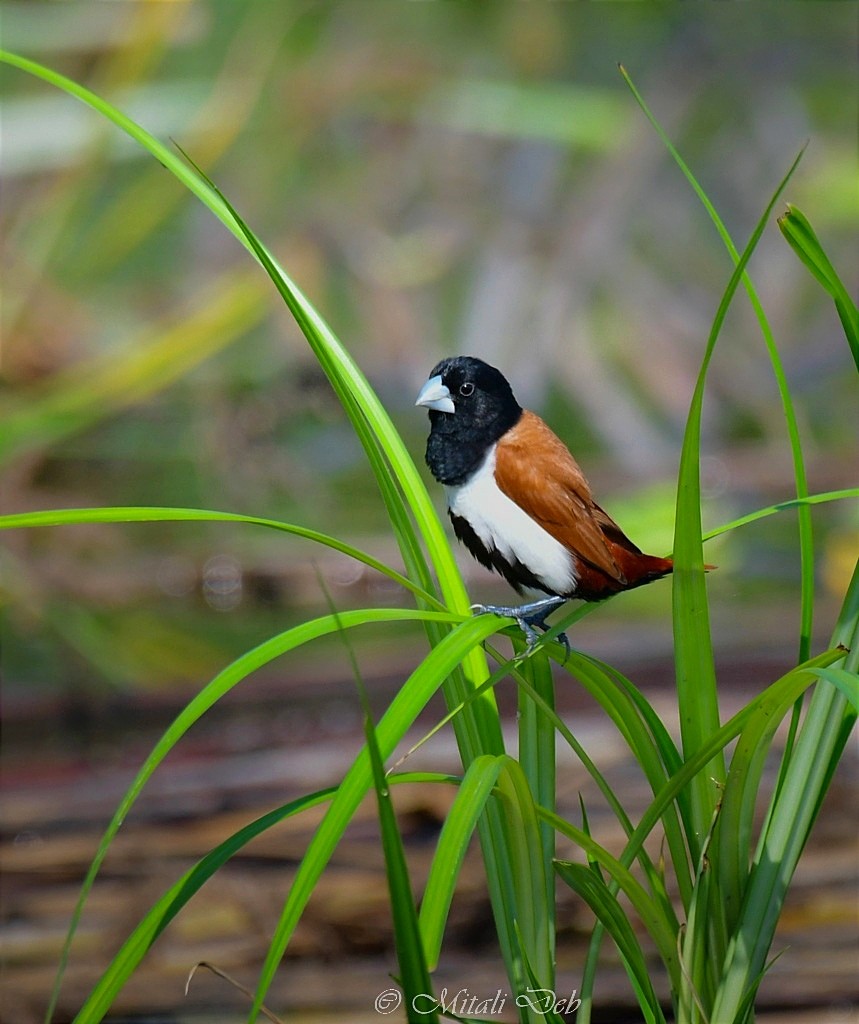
(435, 395)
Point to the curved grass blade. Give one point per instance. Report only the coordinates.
(533, 917)
(135, 947)
(782, 506)
(413, 973)
(538, 761)
(221, 684)
(411, 958)
(539, 1000)
(548, 712)
(818, 749)
(369, 417)
(795, 227)
(773, 702)
(150, 927)
(806, 539)
(696, 680)
(459, 825)
(346, 378)
(659, 927)
(479, 729)
(154, 514)
(739, 798)
(739, 801)
(793, 809)
(655, 878)
(846, 682)
(588, 884)
(666, 746)
(625, 711)
(412, 697)
(391, 464)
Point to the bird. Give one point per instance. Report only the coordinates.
(518, 500)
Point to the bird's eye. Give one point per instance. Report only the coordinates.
(466, 389)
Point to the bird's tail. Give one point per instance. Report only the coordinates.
(641, 569)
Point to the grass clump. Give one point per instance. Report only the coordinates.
(712, 906)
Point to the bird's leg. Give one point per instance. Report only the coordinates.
(528, 616)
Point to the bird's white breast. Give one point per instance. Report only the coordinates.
(502, 525)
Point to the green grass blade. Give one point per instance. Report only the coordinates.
(741, 790)
(694, 957)
(370, 421)
(474, 790)
(783, 506)
(159, 916)
(695, 669)
(400, 485)
(404, 708)
(533, 917)
(154, 514)
(413, 974)
(739, 802)
(659, 927)
(539, 1000)
(773, 703)
(608, 911)
(818, 748)
(800, 235)
(794, 807)
(505, 668)
(625, 711)
(846, 682)
(135, 947)
(550, 715)
(601, 683)
(478, 730)
(221, 684)
(538, 762)
(739, 798)
(698, 968)
(346, 378)
(589, 969)
(662, 740)
(547, 711)
(369, 418)
(806, 540)
(654, 877)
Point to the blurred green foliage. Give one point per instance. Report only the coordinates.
(438, 178)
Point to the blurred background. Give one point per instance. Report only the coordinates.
(438, 178)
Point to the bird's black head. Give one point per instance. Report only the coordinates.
(471, 406)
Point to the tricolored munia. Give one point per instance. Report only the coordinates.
(518, 500)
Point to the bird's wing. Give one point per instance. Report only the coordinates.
(534, 468)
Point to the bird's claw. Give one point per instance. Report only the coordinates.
(527, 616)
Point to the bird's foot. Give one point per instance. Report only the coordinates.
(529, 617)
